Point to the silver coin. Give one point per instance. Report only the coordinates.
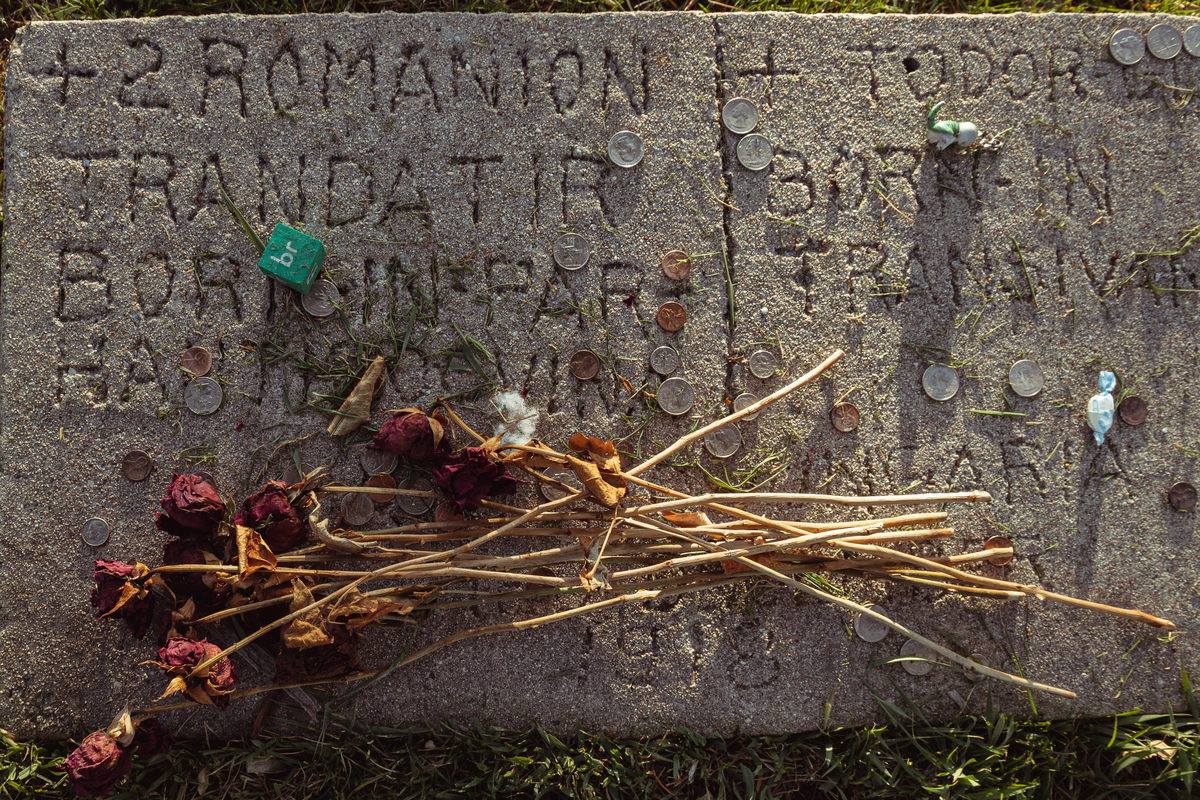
(744, 400)
(203, 396)
(664, 360)
(869, 629)
(562, 475)
(377, 462)
(322, 299)
(625, 149)
(1164, 41)
(754, 151)
(94, 532)
(412, 504)
(572, 251)
(1191, 40)
(1126, 46)
(763, 364)
(739, 115)
(676, 396)
(911, 649)
(358, 509)
(1026, 379)
(940, 382)
(723, 442)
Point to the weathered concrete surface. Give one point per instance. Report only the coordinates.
(439, 156)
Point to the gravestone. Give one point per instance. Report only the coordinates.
(439, 157)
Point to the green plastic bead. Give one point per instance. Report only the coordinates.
(293, 258)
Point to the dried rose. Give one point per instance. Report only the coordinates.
(270, 513)
(151, 738)
(318, 663)
(96, 766)
(192, 507)
(209, 590)
(470, 475)
(117, 594)
(412, 434)
(181, 655)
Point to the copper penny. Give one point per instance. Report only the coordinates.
(196, 360)
(585, 365)
(137, 465)
(996, 543)
(844, 417)
(1132, 410)
(381, 482)
(671, 316)
(1182, 497)
(677, 265)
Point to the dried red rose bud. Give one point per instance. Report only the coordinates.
(114, 594)
(191, 507)
(470, 475)
(208, 590)
(96, 766)
(180, 655)
(151, 738)
(413, 435)
(270, 513)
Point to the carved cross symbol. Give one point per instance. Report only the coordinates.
(61, 68)
(770, 70)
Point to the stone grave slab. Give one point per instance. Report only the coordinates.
(439, 157)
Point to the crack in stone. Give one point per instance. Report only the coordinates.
(728, 244)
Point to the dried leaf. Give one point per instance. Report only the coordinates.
(129, 593)
(253, 553)
(177, 685)
(356, 408)
(360, 610)
(595, 483)
(320, 528)
(308, 629)
(121, 728)
(687, 519)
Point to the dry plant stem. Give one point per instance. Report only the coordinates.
(591, 571)
(824, 499)
(380, 490)
(753, 408)
(955, 587)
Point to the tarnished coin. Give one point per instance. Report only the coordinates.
(377, 462)
(998, 543)
(1026, 379)
(739, 115)
(844, 417)
(723, 442)
(322, 299)
(1126, 46)
(94, 532)
(1182, 497)
(911, 649)
(571, 251)
(1164, 41)
(137, 465)
(415, 504)
(869, 629)
(196, 360)
(664, 360)
(939, 382)
(745, 400)
(625, 149)
(676, 396)
(1191, 40)
(671, 316)
(676, 265)
(585, 365)
(1133, 410)
(381, 482)
(763, 364)
(562, 475)
(203, 396)
(357, 509)
(754, 151)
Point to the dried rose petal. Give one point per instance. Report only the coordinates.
(96, 766)
(111, 579)
(209, 590)
(270, 513)
(191, 507)
(470, 475)
(180, 655)
(413, 435)
(151, 738)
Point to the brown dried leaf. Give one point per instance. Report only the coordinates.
(177, 685)
(600, 490)
(356, 408)
(360, 610)
(253, 553)
(129, 593)
(687, 519)
(308, 629)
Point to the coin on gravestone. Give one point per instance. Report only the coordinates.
(1126, 46)
(870, 629)
(322, 299)
(585, 365)
(571, 251)
(754, 151)
(676, 265)
(381, 482)
(203, 396)
(625, 149)
(676, 396)
(1133, 410)
(844, 417)
(1026, 379)
(671, 316)
(357, 509)
(196, 360)
(137, 465)
(416, 504)
(664, 360)
(1191, 40)
(999, 543)
(912, 649)
(94, 532)
(745, 400)
(1164, 41)
(939, 382)
(763, 364)
(723, 442)
(561, 474)
(739, 115)
(377, 462)
(1182, 496)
